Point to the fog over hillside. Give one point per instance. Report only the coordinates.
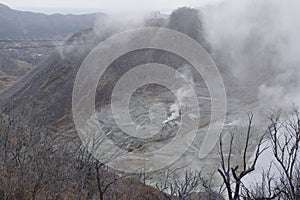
(258, 41)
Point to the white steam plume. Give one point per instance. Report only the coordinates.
(259, 42)
(182, 93)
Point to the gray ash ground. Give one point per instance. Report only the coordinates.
(144, 100)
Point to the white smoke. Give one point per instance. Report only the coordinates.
(175, 112)
(182, 93)
(259, 42)
(120, 22)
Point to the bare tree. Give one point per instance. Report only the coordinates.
(266, 188)
(184, 188)
(283, 181)
(181, 188)
(210, 193)
(32, 166)
(231, 174)
(285, 144)
(93, 177)
(40, 164)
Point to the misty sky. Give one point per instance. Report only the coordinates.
(108, 6)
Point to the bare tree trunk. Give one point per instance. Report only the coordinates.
(229, 172)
